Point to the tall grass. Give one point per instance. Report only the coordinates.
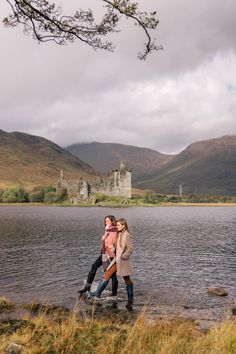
(51, 334)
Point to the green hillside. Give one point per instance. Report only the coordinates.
(203, 168)
(29, 160)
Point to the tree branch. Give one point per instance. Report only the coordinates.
(45, 22)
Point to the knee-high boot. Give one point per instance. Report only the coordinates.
(130, 293)
(100, 289)
(85, 288)
(114, 286)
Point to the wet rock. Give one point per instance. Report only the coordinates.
(5, 304)
(12, 326)
(188, 307)
(217, 291)
(14, 348)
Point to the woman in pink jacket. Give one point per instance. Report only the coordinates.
(121, 263)
(108, 242)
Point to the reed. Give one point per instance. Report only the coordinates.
(72, 334)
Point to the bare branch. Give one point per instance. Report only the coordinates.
(45, 22)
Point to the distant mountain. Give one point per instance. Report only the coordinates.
(30, 160)
(106, 156)
(203, 168)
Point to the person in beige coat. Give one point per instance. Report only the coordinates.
(121, 263)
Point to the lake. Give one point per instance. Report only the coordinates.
(46, 253)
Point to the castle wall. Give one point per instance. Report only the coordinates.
(117, 184)
(77, 188)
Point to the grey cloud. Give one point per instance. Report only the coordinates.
(73, 94)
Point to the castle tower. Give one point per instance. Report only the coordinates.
(120, 182)
(122, 166)
(125, 180)
(60, 181)
(84, 189)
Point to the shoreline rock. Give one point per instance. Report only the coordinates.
(5, 304)
(14, 348)
(217, 291)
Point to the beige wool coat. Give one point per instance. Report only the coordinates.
(124, 249)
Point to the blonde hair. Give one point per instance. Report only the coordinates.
(123, 222)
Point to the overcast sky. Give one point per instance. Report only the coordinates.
(71, 94)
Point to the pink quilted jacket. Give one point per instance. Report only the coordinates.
(110, 237)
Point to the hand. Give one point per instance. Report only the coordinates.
(124, 257)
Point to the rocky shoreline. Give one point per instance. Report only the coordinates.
(19, 318)
(12, 316)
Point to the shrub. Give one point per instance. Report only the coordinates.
(49, 189)
(173, 199)
(50, 197)
(62, 195)
(1, 193)
(15, 195)
(149, 196)
(36, 197)
(47, 194)
(9, 200)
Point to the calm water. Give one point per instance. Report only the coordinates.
(46, 252)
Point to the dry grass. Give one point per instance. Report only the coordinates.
(71, 335)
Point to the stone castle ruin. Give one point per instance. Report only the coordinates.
(116, 184)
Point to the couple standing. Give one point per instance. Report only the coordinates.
(116, 248)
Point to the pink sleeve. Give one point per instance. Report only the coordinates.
(103, 236)
(114, 237)
(110, 243)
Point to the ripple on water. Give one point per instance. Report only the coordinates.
(46, 253)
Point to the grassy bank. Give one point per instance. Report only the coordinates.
(72, 334)
(118, 204)
(50, 196)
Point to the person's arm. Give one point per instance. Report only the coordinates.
(128, 248)
(110, 242)
(103, 236)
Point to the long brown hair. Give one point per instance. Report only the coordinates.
(123, 222)
(112, 218)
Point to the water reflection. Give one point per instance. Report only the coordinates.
(46, 252)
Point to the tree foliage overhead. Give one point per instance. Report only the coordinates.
(45, 22)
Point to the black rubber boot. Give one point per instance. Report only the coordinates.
(114, 286)
(85, 288)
